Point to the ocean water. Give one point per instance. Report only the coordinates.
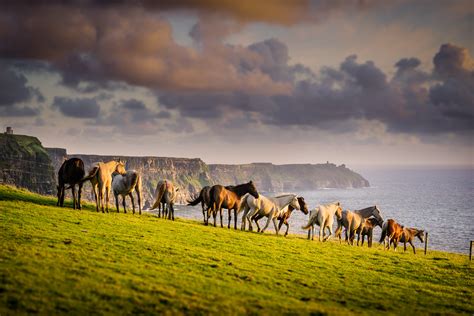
(440, 201)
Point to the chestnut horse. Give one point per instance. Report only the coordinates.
(409, 234)
(392, 231)
(71, 172)
(230, 198)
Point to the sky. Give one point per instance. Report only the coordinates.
(364, 83)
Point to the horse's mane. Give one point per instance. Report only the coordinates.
(284, 195)
(239, 189)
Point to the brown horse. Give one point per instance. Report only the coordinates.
(285, 216)
(230, 198)
(409, 235)
(392, 231)
(203, 198)
(71, 172)
(367, 229)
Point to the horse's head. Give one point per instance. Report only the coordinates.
(303, 206)
(120, 167)
(420, 234)
(252, 190)
(377, 214)
(294, 203)
(338, 210)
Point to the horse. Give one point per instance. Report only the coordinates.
(323, 216)
(367, 229)
(285, 214)
(230, 198)
(270, 207)
(203, 198)
(71, 172)
(125, 185)
(101, 180)
(165, 196)
(353, 220)
(392, 231)
(409, 234)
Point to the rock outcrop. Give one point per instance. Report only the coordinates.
(289, 178)
(25, 163)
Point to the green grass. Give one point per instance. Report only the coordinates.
(58, 260)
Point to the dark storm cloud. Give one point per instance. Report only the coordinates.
(77, 107)
(270, 11)
(14, 87)
(18, 111)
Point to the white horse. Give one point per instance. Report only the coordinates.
(125, 185)
(323, 216)
(270, 207)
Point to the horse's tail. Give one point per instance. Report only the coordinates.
(135, 180)
(196, 201)
(159, 195)
(91, 175)
(311, 221)
(384, 233)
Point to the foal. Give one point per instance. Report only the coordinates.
(409, 234)
(367, 229)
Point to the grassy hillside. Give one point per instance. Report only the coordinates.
(58, 260)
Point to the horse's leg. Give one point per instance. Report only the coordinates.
(229, 217)
(203, 212)
(73, 191)
(256, 218)
(413, 246)
(172, 210)
(404, 246)
(96, 197)
(329, 227)
(133, 201)
(235, 218)
(280, 223)
(79, 193)
(287, 228)
(321, 232)
(117, 202)
(312, 232)
(309, 232)
(124, 203)
(363, 238)
(139, 198)
(107, 192)
(270, 215)
(276, 226)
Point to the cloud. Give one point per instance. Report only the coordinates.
(14, 87)
(269, 11)
(412, 101)
(77, 107)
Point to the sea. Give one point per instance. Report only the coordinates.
(440, 201)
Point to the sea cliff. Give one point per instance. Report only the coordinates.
(26, 163)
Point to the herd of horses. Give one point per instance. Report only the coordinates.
(237, 199)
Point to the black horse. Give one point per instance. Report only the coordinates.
(71, 172)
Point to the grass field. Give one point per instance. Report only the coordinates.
(58, 260)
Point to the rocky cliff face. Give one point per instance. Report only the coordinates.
(289, 178)
(189, 175)
(25, 163)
